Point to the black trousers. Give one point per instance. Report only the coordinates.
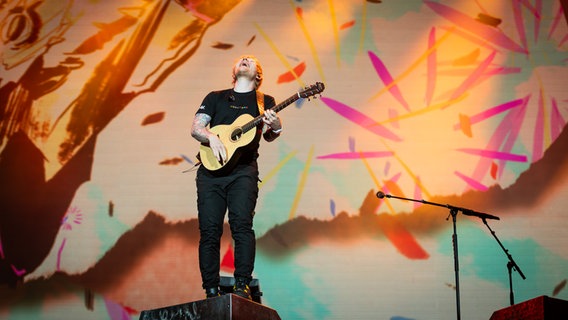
(237, 193)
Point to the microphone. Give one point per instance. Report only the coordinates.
(381, 195)
(467, 212)
(231, 98)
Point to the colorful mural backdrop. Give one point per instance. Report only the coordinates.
(456, 110)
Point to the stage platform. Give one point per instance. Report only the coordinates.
(226, 307)
(539, 308)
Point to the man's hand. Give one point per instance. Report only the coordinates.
(218, 148)
(200, 133)
(272, 120)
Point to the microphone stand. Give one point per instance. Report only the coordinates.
(511, 264)
(453, 212)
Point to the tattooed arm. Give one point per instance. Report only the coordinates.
(200, 132)
(199, 128)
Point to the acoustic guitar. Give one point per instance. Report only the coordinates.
(240, 133)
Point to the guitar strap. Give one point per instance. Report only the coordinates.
(260, 101)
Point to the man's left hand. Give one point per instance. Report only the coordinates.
(272, 120)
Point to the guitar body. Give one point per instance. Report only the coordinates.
(233, 138)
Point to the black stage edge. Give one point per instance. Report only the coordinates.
(539, 308)
(225, 307)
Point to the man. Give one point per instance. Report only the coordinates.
(234, 188)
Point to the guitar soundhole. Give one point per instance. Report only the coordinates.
(237, 134)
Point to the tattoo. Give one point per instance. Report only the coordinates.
(199, 128)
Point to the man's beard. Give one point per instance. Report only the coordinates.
(247, 74)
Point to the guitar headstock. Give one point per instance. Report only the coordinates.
(312, 90)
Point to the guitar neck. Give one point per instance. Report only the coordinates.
(256, 121)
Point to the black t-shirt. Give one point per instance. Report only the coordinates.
(225, 106)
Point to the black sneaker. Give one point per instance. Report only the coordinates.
(242, 289)
(212, 292)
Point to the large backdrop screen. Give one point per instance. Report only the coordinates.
(455, 110)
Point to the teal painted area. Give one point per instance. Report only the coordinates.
(108, 228)
(481, 256)
(286, 290)
(25, 313)
(351, 38)
(277, 209)
(276, 204)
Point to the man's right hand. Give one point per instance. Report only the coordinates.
(218, 148)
